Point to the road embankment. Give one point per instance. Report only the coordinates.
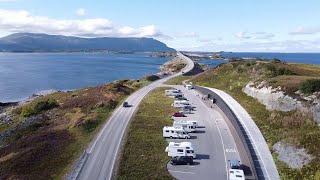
(143, 155)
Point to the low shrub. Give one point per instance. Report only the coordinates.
(310, 86)
(275, 60)
(30, 109)
(273, 71)
(152, 78)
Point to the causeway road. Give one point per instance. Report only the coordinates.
(103, 151)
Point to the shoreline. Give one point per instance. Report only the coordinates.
(162, 72)
(14, 103)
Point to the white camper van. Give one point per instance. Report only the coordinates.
(180, 103)
(173, 132)
(186, 125)
(195, 123)
(189, 86)
(236, 174)
(172, 92)
(180, 149)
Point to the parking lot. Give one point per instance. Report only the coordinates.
(213, 142)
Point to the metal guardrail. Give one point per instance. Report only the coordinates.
(74, 175)
(249, 133)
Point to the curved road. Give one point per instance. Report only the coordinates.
(213, 142)
(104, 150)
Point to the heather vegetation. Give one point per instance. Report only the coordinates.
(51, 132)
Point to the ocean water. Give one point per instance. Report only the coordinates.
(23, 74)
(211, 63)
(306, 58)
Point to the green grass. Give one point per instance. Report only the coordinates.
(143, 155)
(293, 127)
(178, 80)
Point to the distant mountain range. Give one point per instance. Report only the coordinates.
(29, 42)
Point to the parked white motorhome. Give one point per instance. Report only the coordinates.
(180, 149)
(185, 111)
(172, 92)
(180, 103)
(236, 174)
(174, 132)
(186, 125)
(195, 123)
(189, 86)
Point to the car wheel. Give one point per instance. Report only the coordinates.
(171, 137)
(188, 164)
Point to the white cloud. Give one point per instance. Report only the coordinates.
(263, 35)
(305, 30)
(187, 35)
(81, 12)
(255, 35)
(24, 21)
(243, 35)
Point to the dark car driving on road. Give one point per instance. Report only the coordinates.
(125, 104)
(182, 160)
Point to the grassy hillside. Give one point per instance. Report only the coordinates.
(54, 130)
(293, 127)
(143, 155)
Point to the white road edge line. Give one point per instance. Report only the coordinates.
(116, 155)
(223, 146)
(101, 132)
(224, 151)
(182, 172)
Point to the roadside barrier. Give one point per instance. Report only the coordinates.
(255, 146)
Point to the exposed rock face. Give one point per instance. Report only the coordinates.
(292, 156)
(275, 99)
(4, 118)
(25, 123)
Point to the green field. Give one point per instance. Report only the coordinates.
(143, 155)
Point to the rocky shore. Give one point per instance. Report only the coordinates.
(7, 107)
(172, 66)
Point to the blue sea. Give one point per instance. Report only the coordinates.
(306, 58)
(23, 74)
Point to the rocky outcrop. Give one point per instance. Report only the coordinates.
(294, 157)
(172, 66)
(25, 123)
(276, 99)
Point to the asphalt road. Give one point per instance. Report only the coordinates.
(104, 150)
(214, 143)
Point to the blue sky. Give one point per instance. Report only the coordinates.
(206, 25)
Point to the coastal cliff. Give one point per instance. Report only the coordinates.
(276, 99)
